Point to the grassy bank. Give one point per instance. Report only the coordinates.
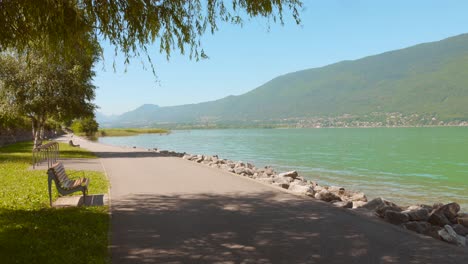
(121, 132)
(31, 231)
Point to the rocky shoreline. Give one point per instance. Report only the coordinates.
(440, 221)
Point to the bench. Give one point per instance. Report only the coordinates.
(64, 184)
(71, 144)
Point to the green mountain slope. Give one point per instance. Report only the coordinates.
(430, 78)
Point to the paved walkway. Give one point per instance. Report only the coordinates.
(168, 210)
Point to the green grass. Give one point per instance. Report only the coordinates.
(121, 132)
(31, 231)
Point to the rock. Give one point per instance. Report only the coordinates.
(382, 210)
(365, 212)
(266, 180)
(249, 166)
(282, 185)
(418, 227)
(461, 230)
(327, 196)
(299, 182)
(301, 189)
(299, 178)
(336, 190)
(449, 235)
(239, 170)
(199, 158)
(313, 183)
(463, 220)
(360, 196)
(239, 164)
(344, 204)
(224, 167)
(290, 174)
(438, 219)
(249, 171)
(231, 170)
(396, 218)
(420, 214)
(281, 180)
(187, 157)
(377, 203)
(450, 211)
(318, 188)
(208, 158)
(358, 204)
(269, 171)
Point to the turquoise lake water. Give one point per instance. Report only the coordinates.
(404, 165)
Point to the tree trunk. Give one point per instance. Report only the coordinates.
(35, 132)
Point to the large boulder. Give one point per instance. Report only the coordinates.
(327, 196)
(461, 230)
(396, 218)
(377, 203)
(449, 235)
(420, 214)
(438, 218)
(382, 210)
(463, 220)
(419, 227)
(358, 204)
(450, 211)
(301, 189)
(360, 196)
(290, 174)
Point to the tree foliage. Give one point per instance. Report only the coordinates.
(129, 25)
(42, 86)
(87, 125)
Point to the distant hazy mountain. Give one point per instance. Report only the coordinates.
(430, 78)
(102, 118)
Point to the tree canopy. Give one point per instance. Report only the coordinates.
(44, 85)
(129, 25)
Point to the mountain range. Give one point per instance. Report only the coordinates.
(426, 81)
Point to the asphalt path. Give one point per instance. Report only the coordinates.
(169, 210)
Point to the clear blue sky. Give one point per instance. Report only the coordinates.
(242, 59)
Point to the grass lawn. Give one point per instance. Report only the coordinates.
(121, 132)
(31, 231)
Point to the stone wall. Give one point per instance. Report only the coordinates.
(12, 136)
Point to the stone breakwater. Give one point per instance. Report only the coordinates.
(440, 221)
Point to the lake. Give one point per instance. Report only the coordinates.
(404, 165)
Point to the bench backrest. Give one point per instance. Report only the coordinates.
(59, 172)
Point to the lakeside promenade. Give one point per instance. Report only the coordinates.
(169, 210)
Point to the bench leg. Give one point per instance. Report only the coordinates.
(85, 191)
(50, 191)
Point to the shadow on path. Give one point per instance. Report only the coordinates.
(265, 227)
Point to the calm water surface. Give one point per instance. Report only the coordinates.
(405, 165)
